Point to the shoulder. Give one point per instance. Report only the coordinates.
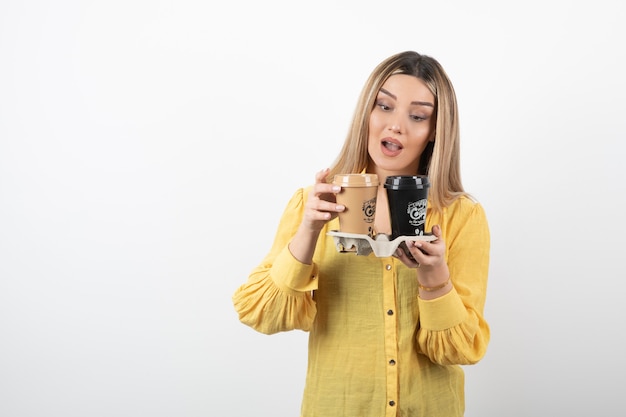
(298, 198)
(464, 203)
(466, 208)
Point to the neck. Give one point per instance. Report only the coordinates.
(383, 174)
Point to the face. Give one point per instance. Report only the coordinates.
(401, 124)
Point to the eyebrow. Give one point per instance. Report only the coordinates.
(419, 103)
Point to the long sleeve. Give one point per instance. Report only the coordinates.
(277, 295)
(452, 327)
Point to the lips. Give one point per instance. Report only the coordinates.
(391, 146)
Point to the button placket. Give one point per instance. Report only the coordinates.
(389, 278)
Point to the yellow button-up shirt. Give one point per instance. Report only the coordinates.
(375, 347)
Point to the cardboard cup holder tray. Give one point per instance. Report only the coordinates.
(364, 244)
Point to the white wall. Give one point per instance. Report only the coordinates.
(147, 149)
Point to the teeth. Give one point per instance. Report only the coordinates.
(391, 146)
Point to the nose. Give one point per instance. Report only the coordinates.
(395, 128)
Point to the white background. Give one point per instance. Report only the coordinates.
(148, 148)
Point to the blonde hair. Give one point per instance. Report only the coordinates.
(441, 159)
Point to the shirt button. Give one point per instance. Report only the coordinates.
(392, 403)
(390, 312)
(392, 362)
(388, 267)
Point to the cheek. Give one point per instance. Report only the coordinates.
(374, 129)
(376, 123)
(372, 142)
(421, 133)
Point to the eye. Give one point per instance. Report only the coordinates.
(417, 118)
(382, 105)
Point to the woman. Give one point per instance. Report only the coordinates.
(387, 335)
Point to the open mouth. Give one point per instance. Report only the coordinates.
(392, 146)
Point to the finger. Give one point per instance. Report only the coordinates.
(325, 191)
(329, 206)
(430, 247)
(403, 253)
(417, 253)
(418, 244)
(326, 188)
(407, 258)
(321, 185)
(320, 177)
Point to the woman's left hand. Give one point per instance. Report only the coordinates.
(428, 256)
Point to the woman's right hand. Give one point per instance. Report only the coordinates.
(321, 205)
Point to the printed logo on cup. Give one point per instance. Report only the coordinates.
(417, 212)
(369, 209)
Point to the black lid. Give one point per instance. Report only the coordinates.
(407, 182)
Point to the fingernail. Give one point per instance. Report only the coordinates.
(336, 189)
(339, 207)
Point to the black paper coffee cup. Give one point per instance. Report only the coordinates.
(408, 198)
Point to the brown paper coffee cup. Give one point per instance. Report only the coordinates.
(358, 194)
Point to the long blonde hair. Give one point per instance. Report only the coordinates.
(441, 158)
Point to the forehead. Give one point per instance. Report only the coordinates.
(408, 87)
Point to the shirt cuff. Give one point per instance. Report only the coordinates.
(291, 275)
(443, 312)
